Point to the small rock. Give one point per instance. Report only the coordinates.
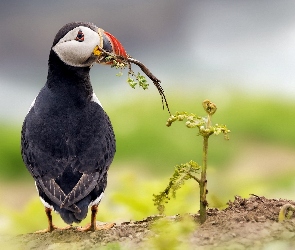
(260, 218)
(138, 235)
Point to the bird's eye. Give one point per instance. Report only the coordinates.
(80, 36)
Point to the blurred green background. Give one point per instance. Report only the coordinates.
(234, 53)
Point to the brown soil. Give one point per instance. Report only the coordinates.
(245, 224)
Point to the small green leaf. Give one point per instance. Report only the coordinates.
(131, 82)
(119, 74)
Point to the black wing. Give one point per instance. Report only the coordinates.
(68, 152)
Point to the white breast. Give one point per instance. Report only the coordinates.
(95, 99)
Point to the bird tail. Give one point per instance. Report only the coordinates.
(70, 216)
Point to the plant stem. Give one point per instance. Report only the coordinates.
(128, 60)
(203, 181)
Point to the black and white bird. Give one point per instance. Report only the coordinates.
(67, 140)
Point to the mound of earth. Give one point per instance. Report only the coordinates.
(245, 224)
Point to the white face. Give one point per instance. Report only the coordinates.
(76, 47)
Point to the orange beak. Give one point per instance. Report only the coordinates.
(110, 44)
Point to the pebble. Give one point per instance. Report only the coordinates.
(260, 218)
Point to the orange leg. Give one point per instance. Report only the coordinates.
(93, 225)
(51, 227)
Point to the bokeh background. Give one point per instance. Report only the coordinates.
(238, 54)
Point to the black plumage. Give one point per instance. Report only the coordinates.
(67, 139)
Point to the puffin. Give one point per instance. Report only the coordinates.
(67, 139)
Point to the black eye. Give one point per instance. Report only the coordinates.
(80, 36)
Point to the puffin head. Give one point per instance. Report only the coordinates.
(80, 44)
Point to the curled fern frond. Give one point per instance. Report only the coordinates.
(194, 121)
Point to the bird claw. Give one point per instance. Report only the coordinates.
(98, 226)
(52, 228)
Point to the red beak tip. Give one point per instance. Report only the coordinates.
(118, 48)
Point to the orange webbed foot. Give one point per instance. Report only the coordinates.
(96, 227)
(52, 228)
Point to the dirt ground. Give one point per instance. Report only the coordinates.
(245, 224)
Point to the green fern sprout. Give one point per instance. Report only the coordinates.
(188, 170)
(181, 173)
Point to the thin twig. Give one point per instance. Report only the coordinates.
(154, 79)
(145, 70)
